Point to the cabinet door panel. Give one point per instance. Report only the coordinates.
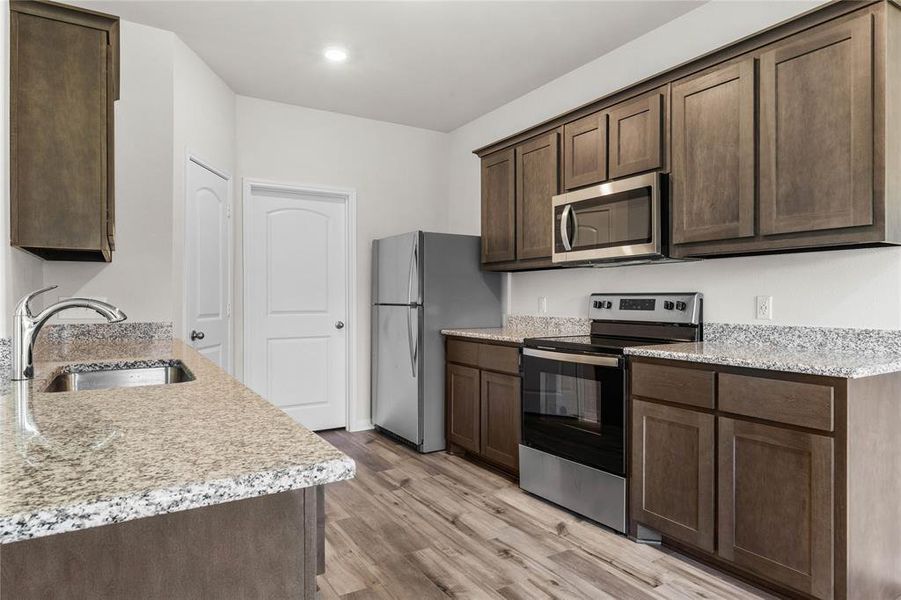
(537, 181)
(498, 207)
(501, 419)
(585, 151)
(775, 504)
(713, 155)
(61, 110)
(462, 398)
(673, 472)
(816, 136)
(636, 128)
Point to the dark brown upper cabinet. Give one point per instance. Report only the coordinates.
(713, 177)
(787, 140)
(64, 78)
(816, 136)
(636, 135)
(585, 151)
(537, 181)
(498, 207)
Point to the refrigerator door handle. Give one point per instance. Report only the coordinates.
(414, 345)
(412, 305)
(413, 272)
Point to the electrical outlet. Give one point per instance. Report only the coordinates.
(542, 305)
(765, 307)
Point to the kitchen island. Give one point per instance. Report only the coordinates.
(198, 488)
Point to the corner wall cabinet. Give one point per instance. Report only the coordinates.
(483, 401)
(788, 140)
(64, 78)
(789, 479)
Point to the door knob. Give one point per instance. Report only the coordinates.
(339, 325)
(197, 335)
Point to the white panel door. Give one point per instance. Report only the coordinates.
(207, 262)
(295, 282)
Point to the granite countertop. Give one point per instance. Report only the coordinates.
(73, 460)
(831, 352)
(517, 328)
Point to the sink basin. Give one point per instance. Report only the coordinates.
(116, 377)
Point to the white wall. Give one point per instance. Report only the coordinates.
(859, 288)
(20, 272)
(204, 127)
(398, 173)
(139, 280)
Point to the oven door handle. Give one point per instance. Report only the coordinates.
(585, 359)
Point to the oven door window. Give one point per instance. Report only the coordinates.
(575, 411)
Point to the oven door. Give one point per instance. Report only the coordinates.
(616, 220)
(573, 406)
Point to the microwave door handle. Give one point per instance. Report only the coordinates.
(564, 227)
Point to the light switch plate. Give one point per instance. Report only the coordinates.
(765, 307)
(542, 305)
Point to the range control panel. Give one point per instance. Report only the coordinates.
(682, 308)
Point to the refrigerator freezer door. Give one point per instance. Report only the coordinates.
(397, 377)
(398, 270)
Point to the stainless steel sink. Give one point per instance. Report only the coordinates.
(119, 377)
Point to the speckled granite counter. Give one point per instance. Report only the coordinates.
(833, 352)
(73, 460)
(516, 328)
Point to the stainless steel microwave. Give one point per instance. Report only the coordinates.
(618, 221)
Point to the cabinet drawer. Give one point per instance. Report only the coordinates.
(504, 359)
(673, 384)
(464, 353)
(791, 402)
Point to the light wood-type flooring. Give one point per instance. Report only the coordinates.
(436, 526)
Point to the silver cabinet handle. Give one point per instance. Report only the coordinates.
(564, 227)
(197, 335)
(339, 325)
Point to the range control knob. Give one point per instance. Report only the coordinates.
(596, 304)
(681, 305)
(606, 304)
(668, 305)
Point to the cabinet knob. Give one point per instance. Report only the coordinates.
(197, 335)
(339, 325)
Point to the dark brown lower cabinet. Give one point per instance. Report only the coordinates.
(500, 418)
(483, 400)
(462, 396)
(673, 472)
(775, 504)
(265, 547)
(789, 480)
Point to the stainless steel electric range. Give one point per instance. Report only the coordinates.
(574, 401)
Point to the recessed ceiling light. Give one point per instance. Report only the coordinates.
(335, 54)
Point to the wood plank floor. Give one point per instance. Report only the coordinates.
(414, 526)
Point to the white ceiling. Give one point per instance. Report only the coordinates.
(435, 65)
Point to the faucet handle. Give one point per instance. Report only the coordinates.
(23, 308)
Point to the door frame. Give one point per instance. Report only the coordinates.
(348, 197)
(191, 157)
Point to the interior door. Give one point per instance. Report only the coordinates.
(295, 290)
(207, 285)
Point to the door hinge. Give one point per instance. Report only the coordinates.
(228, 211)
(228, 309)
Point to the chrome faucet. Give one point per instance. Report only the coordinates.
(27, 326)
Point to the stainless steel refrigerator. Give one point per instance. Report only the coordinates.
(422, 283)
